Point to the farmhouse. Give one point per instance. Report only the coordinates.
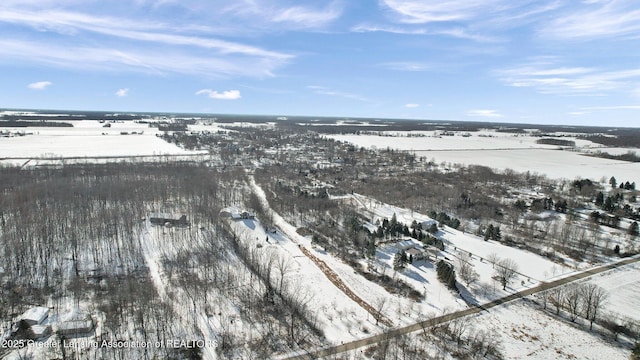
(168, 219)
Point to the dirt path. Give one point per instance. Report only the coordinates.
(335, 279)
(320, 353)
(291, 233)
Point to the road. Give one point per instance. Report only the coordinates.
(323, 352)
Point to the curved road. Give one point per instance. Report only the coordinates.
(319, 353)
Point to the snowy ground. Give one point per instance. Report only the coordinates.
(529, 333)
(338, 316)
(504, 151)
(532, 268)
(87, 138)
(623, 286)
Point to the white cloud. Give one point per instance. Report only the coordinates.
(411, 105)
(154, 61)
(40, 85)
(613, 107)
(224, 95)
(321, 90)
(456, 32)
(274, 15)
(407, 66)
(597, 19)
(483, 11)
(306, 17)
(548, 78)
(122, 92)
(417, 11)
(142, 45)
(484, 113)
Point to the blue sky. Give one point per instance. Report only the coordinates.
(538, 61)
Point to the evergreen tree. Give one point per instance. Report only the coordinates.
(633, 229)
(613, 182)
(398, 263)
(609, 204)
(561, 206)
(599, 199)
(635, 354)
(446, 274)
(496, 233)
(488, 234)
(394, 221)
(520, 205)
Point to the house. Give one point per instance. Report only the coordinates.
(234, 213)
(405, 245)
(415, 254)
(168, 219)
(427, 223)
(35, 315)
(248, 215)
(78, 327)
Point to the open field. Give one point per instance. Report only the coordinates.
(86, 139)
(504, 151)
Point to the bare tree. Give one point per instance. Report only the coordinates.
(465, 269)
(379, 305)
(556, 298)
(457, 328)
(506, 271)
(493, 259)
(573, 301)
(593, 297)
(284, 266)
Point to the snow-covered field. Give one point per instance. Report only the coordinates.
(529, 333)
(504, 151)
(86, 139)
(623, 286)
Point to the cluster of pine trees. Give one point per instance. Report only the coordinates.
(446, 274)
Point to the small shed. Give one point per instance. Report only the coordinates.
(40, 331)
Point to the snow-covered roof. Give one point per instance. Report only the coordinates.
(405, 244)
(35, 315)
(40, 330)
(75, 326)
